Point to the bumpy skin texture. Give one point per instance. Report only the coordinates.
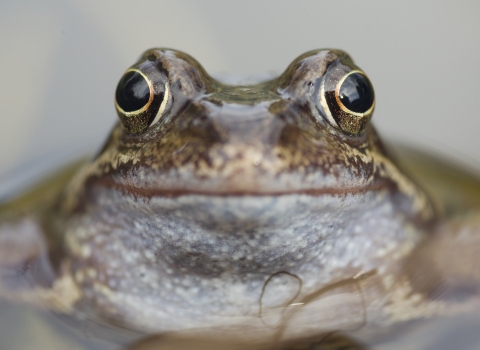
(244, 212)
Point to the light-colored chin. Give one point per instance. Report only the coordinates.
(166, 264)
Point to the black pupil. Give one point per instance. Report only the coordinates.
(133, 92)
(356, 93)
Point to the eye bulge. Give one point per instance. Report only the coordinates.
(142, 97)
(346, 97)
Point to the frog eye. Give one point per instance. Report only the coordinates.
(348, 101)
(139, 101)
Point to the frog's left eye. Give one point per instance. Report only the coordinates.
(140, 102)
(348, 100)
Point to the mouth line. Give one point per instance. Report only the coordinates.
(174, 193)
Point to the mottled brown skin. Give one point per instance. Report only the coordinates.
(234, 140)
(253, 213)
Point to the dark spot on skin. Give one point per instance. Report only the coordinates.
(151, 58)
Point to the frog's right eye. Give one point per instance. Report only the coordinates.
(141, 102)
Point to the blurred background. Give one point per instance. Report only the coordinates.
(61, 61)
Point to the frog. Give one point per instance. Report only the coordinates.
(267, 215)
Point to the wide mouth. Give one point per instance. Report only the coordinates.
(228, 190)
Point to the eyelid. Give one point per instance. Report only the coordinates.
(166, 101)
(326, 109)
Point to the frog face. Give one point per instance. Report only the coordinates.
(182, 131)
(204, 191)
